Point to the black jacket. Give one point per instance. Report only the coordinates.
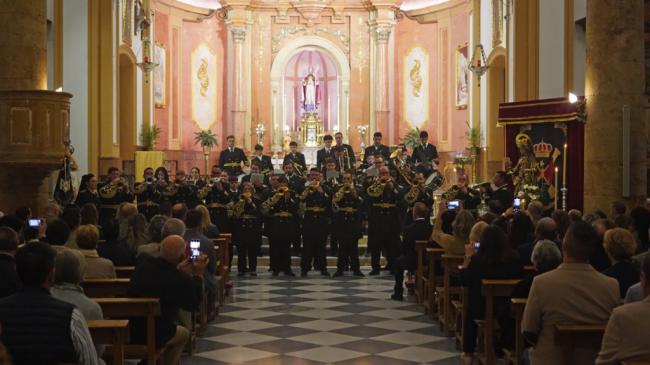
(504, 195)
(157, 278)
(419, 230)
(118, 252)
(626, 273)
(9, 281)
(266, 165)
(381, 150)
(425, 154)
(231, 161)
(322, 156)
(297, 158)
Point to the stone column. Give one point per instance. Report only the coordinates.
(238, 107)
(34, 122)
(382, 107)
(614, 81)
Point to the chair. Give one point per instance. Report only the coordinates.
(573, 336)
(111, 332)
(102, 288)
(146, 308)
(420, 278)
(514, 357)
(445, 293)
(434, 258)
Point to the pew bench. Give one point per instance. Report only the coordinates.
(513, 357)
(111, 332)
(102, 288)
(578, 336)
(446, 293)
(492, 289)
(124, 272)
(434, 259)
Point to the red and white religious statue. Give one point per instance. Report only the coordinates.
(311, 97)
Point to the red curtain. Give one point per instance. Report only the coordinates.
(575, 165)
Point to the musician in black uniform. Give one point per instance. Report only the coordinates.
(296, 182)
(425, 153)
(88, 192)
(247, 230)
(331, 173)
(113, 193)
(147, 194)
(500, 190)
(346, 152)
(315, 203)
(231, 158)
(181, 192)
(325, 153)
(418, 193)
(258, 184)
(346, 225)
(217, 199)
(282, 210)
(377, 148)
(471, 198)
(265, 163)
(296, 158)
(383, 220)
(195, 178)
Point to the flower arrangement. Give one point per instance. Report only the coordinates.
(530, 192)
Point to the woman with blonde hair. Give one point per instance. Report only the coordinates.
(455, 242)
(620, 246)
(207, 228)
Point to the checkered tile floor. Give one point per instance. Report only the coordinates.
(319, 320)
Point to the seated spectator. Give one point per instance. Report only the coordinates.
(123, 214)
(137, 232)
(165, 209)
(113, 249)
(37, 328)
(52, 211)
(156, 233)
(599, 259)
(545, 257)
(178, 284)
(572, 293)
(461, 226)
(69, 267)
(420, 229)
(193, 225)
(89, 214)
(575, 215)
(535, 211)
(562, 222)
(9, 282)
(634, 294)
(179, 211)
(14, 223)
(493, 260)
(546, 229)
(477, 231)
(207, 227)
(521, 230)
(620, 245)
(618, 209)
(96, 267)
(626, 336)
(625, 222)
(640, 226)
(71, 217)
(57, 233)
(23, 213)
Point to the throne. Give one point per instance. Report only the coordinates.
(312, 129)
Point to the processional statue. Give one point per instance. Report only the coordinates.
(310, 123)
(310, 93)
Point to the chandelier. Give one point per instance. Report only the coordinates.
(478, 66)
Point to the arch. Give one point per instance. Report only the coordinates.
(496, 94)
(126, 101)
(277, 69)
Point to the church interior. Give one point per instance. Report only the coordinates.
(448, 160)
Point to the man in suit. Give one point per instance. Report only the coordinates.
(262, 160)
(426, 153)
(625, 338)
(420, 229)
(297, 158)
(325, 153)
(377, 148)
(500, 190)
(231, 158)
(573, 293)
(338, 137)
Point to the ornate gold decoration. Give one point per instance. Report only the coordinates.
(497, 22)
(416, 78)
(202, 75)
(127, 11)
(289, 32)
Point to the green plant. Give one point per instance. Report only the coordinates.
(473, 136)
(149, 136)
(206, 139)
(412, 138)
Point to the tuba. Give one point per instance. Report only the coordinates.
(401, 166)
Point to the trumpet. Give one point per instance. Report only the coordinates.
(245, 196)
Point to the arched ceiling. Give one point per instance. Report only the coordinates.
(406, 5)
(207, 4)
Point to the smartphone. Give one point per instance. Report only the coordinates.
(516, 204)
(194, 250)
(477, 245)
(34, 223)
(454, 204)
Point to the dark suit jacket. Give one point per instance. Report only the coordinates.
(9, 282)
(265, 163)
(236, 156)
(381, 150)
(416, 231)
(504, 195)
(321, 157)
(425, 154)
(353, 159)
(298, 158)
(626, 273)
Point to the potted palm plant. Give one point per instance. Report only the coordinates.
(148, 157)
(412, 139)
(473, 137)
(207, 140)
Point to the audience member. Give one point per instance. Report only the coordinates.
(89, 214)
(179, 211)
(488, 217)
(618, 209)
(178, 284)
(620, 245)
(599, 260)
(69, 267)
(207, 228)
(521, 230)
(535, 210)
(546, 229)
(461, 226)
(96, 267)
(562, 222)
(419, 230)
(193, 223)
(640, 226)
(477, 231)
(575, 215)
(626, 336)
(625, 222)
(114, 249)
(124, 213)
(572, 293)
(137, 234)
(23, 213)
(9, 282)
(493, 260)
(546, 256)
(72, 218)
(63, 337)
(52, 211)
(156, 233)
(165, 209)
(13, 222)
(57, 234)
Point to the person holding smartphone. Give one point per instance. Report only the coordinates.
(455, 242)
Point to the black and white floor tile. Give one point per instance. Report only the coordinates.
(319, 320)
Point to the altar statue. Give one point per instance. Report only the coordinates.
(526, 171)
(310, 93)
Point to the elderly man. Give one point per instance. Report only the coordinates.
(178, 283)
(546, 229)
(572, 293)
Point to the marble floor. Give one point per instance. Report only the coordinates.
(321, 320)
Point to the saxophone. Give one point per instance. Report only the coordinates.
(377, 188)
(346, 189)
(413, 194)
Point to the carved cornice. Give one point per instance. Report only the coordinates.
(382, 33)
(290, 32)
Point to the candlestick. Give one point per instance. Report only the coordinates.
(564, 157)
(557, 188)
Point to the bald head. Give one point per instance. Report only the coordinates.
(172, 249)
(546, 229)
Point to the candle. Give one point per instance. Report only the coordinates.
(557, 188)
(564, 157)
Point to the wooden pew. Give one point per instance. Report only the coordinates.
(514, 357)
(636, 362)
(420, 276)
(434, 258)
(226, 260)
(101, 288)
(492, 289)
(459, 312)
(221, 251)
(572, 336)
(529, 270)
(124, 272)
(111, 332)
(148, 308)
(445, 293)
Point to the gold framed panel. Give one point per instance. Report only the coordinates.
(461, 76)
(497, 22)
(415, 85)
(160, 76)
(204, 92)
(127, 23)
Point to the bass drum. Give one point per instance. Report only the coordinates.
(434, 181)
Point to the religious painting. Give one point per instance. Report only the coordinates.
(159, 76)
(415, 90)
(497, 22)
(203, 73)
(127, 14)
(462, 77)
